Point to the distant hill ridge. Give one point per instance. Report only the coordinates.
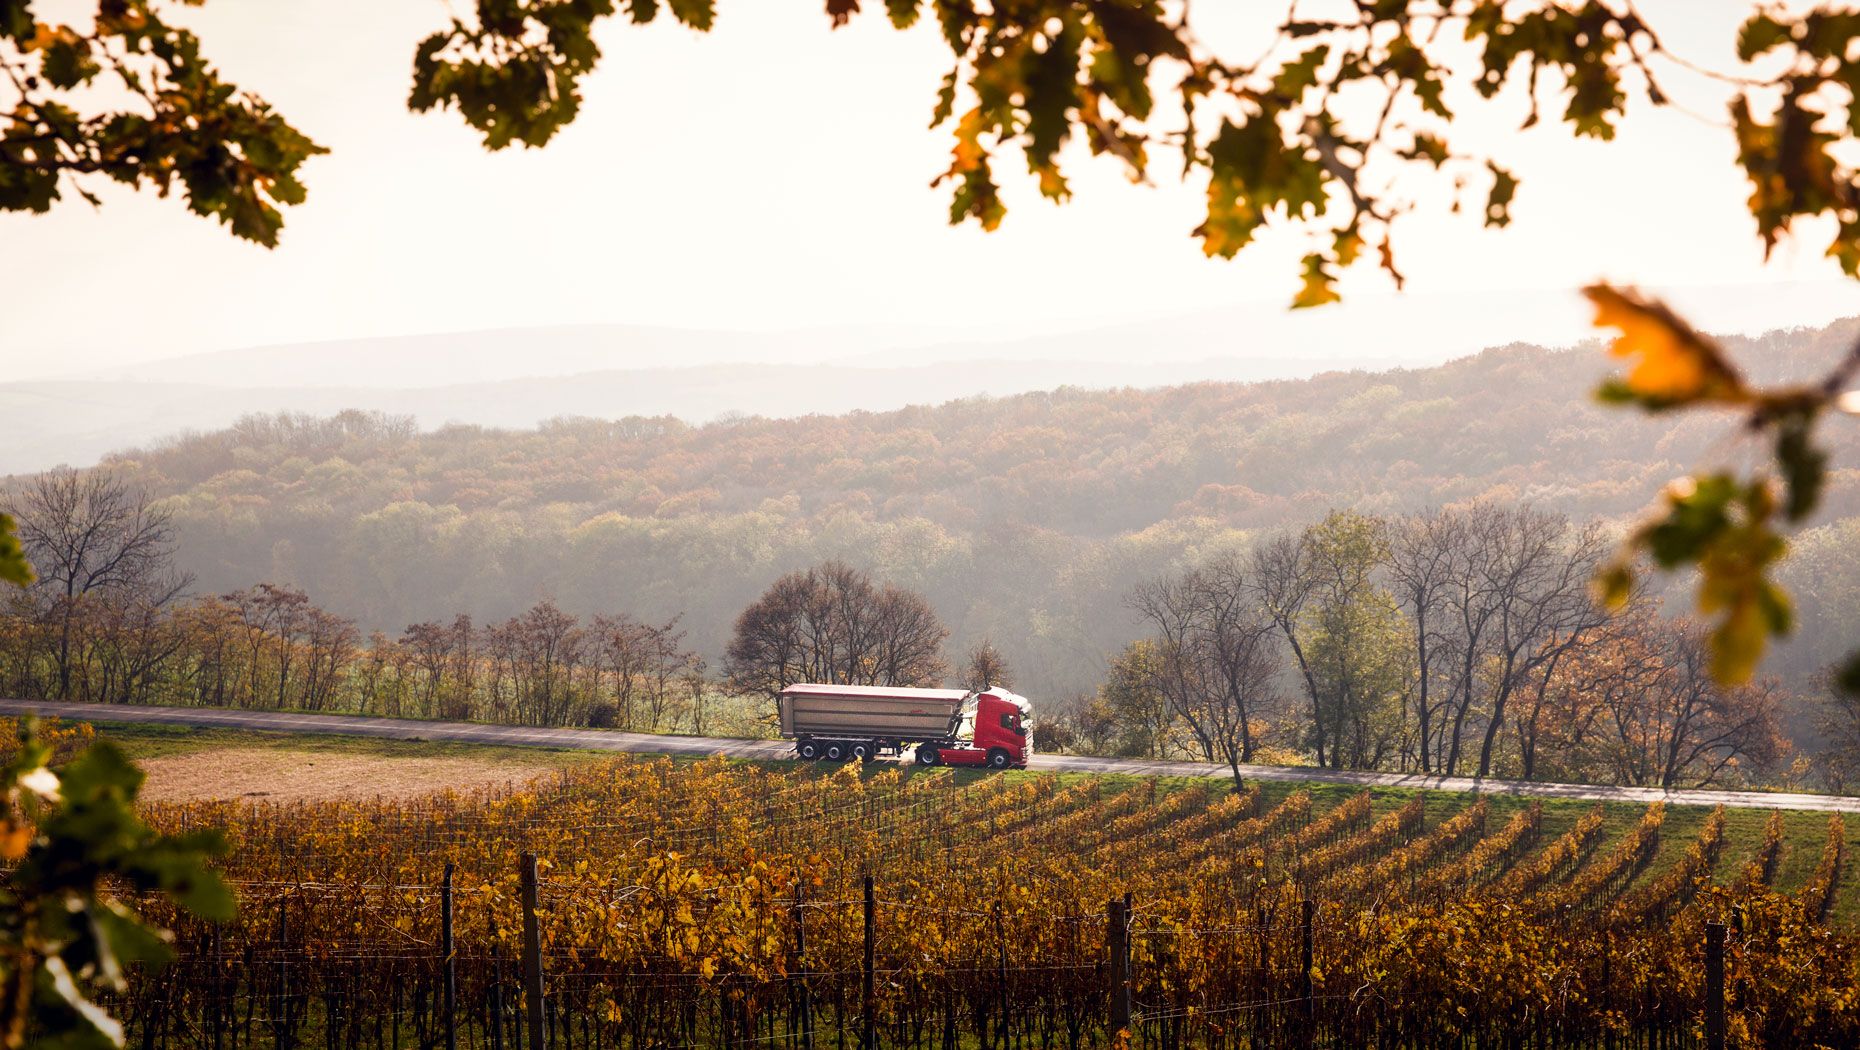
(1517, 420)
(45, 423)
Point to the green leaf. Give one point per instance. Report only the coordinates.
(1050, 80)
(90, 842)
(24, 188)
(1297, 76)
(16, 21)
(698, 14)
(122, 941)
(67, 62)
(1804, 466)
(903, 12)
(1615, 585)
(14, 568)
(1318, 287)
(945, 99)
(1697, 513)
(1847, 675)
(1498, 201)
(1738, 642)
(1407, 62)
(1758, 35)
(1430, 148)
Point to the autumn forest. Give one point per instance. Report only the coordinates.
(1360, 570)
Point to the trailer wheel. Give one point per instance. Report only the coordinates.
(835, 752)
(929, 754)
(862, 751)
(998, 758)
(808, 750)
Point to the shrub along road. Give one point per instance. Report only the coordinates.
(649, 743)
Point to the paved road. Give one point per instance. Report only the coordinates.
(606, 740)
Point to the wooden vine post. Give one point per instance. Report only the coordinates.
(1306, 991)
(1714, 986)
(800, 965)
(532, 954)
(1117, 937)
(868, 1039)
(449, 955)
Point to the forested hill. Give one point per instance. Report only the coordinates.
(1025, 518)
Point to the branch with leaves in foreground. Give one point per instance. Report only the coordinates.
(70, 836)
(1728, 525)
(172, 120)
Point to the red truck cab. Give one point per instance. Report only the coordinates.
(997, 733)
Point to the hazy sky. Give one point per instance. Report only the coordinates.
(774, 175)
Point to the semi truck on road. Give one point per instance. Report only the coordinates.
(946, 727)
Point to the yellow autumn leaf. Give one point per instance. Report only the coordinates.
(14, 839)
(1669, 361)
(968, 152)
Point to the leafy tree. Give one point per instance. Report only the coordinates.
(1132, 701)
(1360, 660)
(1347, 623)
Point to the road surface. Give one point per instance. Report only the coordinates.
(647, 743)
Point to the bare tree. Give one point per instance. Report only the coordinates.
(428, 647)
(1283, 582)
(1838, 721)
(1685, 730)
(1215, 659)
(1422, 548)
(1515, 599)
(1538, 570)
(1245, 662)
(329, 644)
(987, 667)
(831, 623)
(89, 533)
(546, 647)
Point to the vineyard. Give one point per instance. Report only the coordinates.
(727, 905)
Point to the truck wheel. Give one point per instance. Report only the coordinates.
(835, 752)
(808, 750)
(929, 754)
(998, 758)
(862, 751)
